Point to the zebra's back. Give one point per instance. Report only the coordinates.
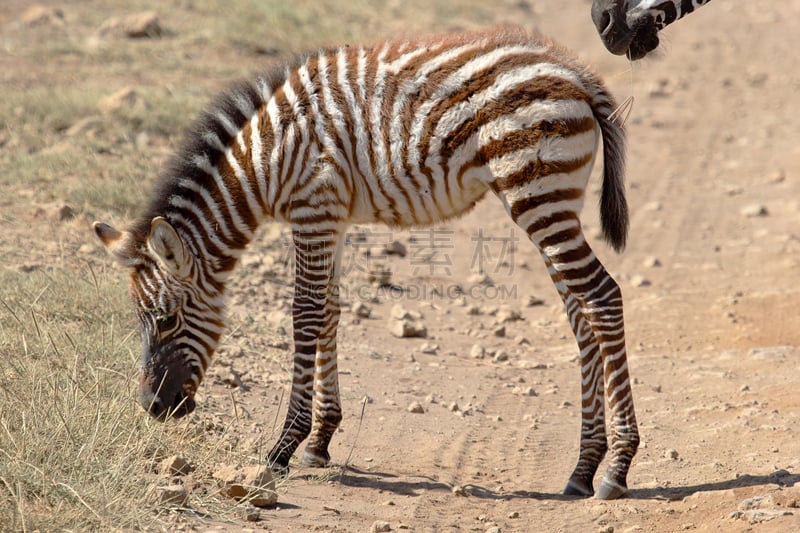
(412, 132)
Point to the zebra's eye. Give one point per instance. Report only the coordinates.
(167, 323)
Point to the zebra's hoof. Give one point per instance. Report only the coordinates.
(314, 459)
(577, 489)
(610, 490)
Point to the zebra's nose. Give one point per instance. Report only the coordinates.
(156, 406)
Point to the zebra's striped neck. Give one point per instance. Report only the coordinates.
(219, 187)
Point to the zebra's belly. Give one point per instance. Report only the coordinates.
(419, 199)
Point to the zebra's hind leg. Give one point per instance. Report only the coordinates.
(327, 404)
(593, 443)
(315, 252)
(594, 295)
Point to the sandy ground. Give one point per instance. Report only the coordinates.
(711, 279)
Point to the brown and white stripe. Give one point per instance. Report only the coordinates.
(406, 132)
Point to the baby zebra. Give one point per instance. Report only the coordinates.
(407, 132)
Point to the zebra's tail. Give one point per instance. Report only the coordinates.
(613, 205)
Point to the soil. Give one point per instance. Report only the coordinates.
(711, 280)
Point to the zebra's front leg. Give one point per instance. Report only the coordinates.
(314, 254)
(327, 404)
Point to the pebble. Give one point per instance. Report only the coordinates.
(671, 454)
(135, 26)
(416, 408)
(395, 248)
(477, 351)
(361, 310)
(176, 465)
(407, 328)
(429, 348)
(458, 490)
(480, 279)
(534, 301)
(500, 356)
(499, 331)
(524, 391)
(513, 514)
(253, 482)
(173, 494)
(754, 210)
(651, 262)
(250, 513)
(379, 526)
(508, 315)
(399, 312)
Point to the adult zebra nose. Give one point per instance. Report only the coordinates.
(609, 19)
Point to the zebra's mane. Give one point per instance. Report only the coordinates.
(214, 129)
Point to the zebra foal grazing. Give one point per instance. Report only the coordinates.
(631, 27)
(407, 132)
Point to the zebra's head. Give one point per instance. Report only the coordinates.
(180, 323)
(631, 27)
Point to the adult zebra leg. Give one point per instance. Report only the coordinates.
(314, 257)
(594, 298)
(593, 444)
(327, 405)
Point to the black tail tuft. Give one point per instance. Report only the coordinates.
(613, 205)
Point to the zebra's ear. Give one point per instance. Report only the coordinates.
(116, 242)
(166, 246)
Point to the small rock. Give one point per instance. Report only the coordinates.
(136, 26)
(399, 312)
(606, 529)
(513, 514)
(453, 407)
(534, 301)
(429, 348)
(361, 310)
(480, 279)
(499, 331)
(524, 391)
(416, 408)
(407, 328)
(506, 315)
(176, 465)
(671, 454)
(500, 356)
(37, 15)
(477, 351)
(651, 262)
(458, 490)
(493, 529)
(395, 248)
(172, 494)
(754, 210)
(379, 526)
(255, 483)
(250, 513)
(640, 281)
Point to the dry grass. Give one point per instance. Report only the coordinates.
(76, 451)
